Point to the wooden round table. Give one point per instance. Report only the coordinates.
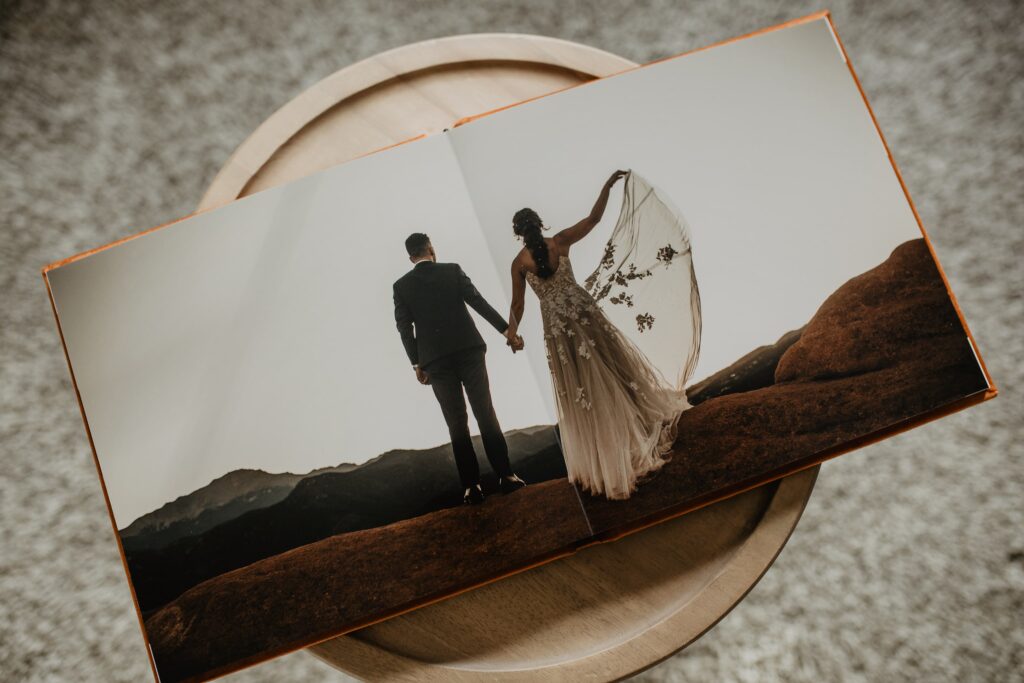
(608, 611)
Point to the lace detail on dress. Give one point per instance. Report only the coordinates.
(616, 413)
(564, 304)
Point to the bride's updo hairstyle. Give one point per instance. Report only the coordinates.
(527, 224)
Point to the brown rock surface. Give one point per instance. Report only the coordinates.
(895, 314)
(309, 593)
(753, 371)
(886, 346)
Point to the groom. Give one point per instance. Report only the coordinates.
(447, 352)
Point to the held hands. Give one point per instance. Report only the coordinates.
(421, 376)
(513, 340)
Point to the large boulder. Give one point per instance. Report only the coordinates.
(886, 347)
(897, 313)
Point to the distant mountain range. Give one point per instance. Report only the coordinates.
(308, 593)
(224, 498)
(753, 371)
(248, 515)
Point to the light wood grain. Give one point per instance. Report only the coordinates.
(609, 610)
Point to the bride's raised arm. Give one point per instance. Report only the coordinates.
(575, 233)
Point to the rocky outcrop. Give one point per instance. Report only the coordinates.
(753, 371)
(885, 347)
(308, 593)
(896, 315)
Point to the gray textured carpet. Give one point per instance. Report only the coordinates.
(114, 116)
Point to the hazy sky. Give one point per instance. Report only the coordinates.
(764, 145)
(261, 334)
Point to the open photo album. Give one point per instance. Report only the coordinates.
(413, 373)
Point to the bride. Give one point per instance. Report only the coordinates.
(617, 412)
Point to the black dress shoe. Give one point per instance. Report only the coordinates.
(474, 495)
(510, 483)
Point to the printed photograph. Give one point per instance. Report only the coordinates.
(342, 398)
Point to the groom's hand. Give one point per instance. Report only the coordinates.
(421, 375)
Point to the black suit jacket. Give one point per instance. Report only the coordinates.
(431, 313)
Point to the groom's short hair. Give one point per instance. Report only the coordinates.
(416, 244)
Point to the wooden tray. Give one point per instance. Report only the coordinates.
(610, 610)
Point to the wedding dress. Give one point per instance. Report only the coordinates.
(617, 411)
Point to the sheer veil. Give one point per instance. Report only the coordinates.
(646, 284)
